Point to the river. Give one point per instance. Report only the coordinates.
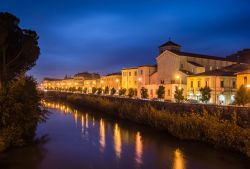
(74, 139)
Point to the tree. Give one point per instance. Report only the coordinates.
(99, 91)
(79, 89)
(106, 90)
(113, 91)
(131, 92)
(85, 90)
(94, 89)
(178, 94)
(161, 92)
(242, 96)
(205, 94)
(144, 92)
(122, 92)
(19, 48)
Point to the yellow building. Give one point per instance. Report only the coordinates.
(222, 83)
(90, 84)
(243, 78)
(113, 80)
(130, 78)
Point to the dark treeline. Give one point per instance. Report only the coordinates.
(20, 109)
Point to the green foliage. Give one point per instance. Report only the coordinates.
(94, 89)
(20, 112)
(113, 91)
(99, 91)
(122, 92)
(19, 48)
(144, 92)
(106, 90)
(242, 96)
(178, 94)
(205, 94)
(161, 92)
(79, 89)
(85, 90)
(131, 92)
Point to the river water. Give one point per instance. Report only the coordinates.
(74, 139)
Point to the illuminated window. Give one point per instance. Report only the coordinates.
(135, 73)
(192, 84)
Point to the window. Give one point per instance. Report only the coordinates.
(182, 66)
(192, 84)
(199, 83)
(245, 80)
(234, 84)
(129, 73)
(207, 83)
(124, 73)
(151, 92)
(162, 81)
(141, 72)
(211, 68)
(168, 92)
(222, 84)
(135, 73)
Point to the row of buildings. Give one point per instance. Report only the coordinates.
(173, 68)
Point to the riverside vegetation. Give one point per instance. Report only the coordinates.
(20, 109)
(205, 127)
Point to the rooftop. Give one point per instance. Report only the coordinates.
(226, 71)
(195, 55)
(170, 43)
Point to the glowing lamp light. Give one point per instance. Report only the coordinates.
(139, 79)
(102, 81)
(117, 80)
(177, 77)
(248, 86)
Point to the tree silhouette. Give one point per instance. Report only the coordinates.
(144, 92)
(242, 96)
(161, 92)
(178, 94)
(19, 48)
(205, 94)
(113, 91)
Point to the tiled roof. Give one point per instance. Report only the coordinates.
(199, 55)
(245, 71)
(226, 71)
(195, 64)
(111, 74)
(186, 72)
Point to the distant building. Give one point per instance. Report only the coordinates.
(243, 78)
(172, 68)
(112, 80)
(222, 82)
(242, 56)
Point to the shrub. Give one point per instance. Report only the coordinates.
(131, 92)
(122, 92)
(161, 92)
(106, 90)
(113, 91)
(242, 96)
(144, 92)
(94, 89)
(178, 94)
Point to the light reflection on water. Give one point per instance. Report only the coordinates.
(83, 140)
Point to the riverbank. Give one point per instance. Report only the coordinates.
(200, 126)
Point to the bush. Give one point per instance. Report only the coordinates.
(131, 92)
(161, 92)
(113, 91)
(144, 92)
(122, 92)
(20, 112)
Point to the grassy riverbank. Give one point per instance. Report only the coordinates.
(205, 127)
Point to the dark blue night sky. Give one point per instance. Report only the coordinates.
(107, 35)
